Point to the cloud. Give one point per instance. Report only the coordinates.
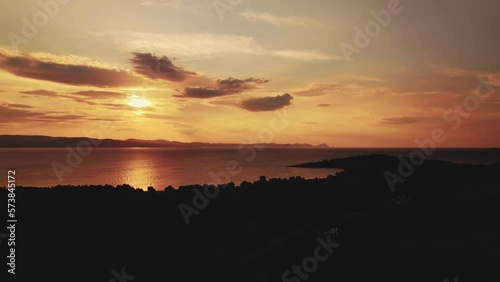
(34, 67)
(238, 131)
(100, 94)
(61, 118)
(319, 89)
(177, 124)
(266, 103)
(173, 4)
(125, 107)
(399, 120)
(304, 55)
(40, 92)
(19, 113)
(127, 129)
(9, 114)
(158, 68)
(81, 96)
(89, 96)
(53, 94)
(159, 116)
(164, 3)
(323, 105)
(22, 106)
(267, 18)
(223, 87)
(192, 46)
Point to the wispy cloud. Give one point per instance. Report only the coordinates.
(267, 18)
(400, 120)
(100, 94)
(305, 55)
(90, 97)
(21, 106)
(185, 46)
(319, 89)
(40, 92)
(16, 114)
(162, 3)
(173, 4)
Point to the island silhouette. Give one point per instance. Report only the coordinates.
(41, 141)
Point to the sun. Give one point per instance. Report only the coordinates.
(138, 102)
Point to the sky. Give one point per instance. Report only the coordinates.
(345, 73)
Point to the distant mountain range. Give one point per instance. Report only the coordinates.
(38, 141)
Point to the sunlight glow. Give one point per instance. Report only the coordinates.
(138, 102)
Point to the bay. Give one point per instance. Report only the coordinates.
(161, 167)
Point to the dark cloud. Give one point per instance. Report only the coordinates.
(236, 84)
(14, 113)
(203, 92)
(224, 87)
(323, 105)
(22, 106)
(65, 73)
(40, 92)
(158, 68)
(100, 94)
(9, 115)
(52, 94)
(106, 119)
(399, 120)
(188, 132)
(80, 100)
(61, 118)
(266, 103)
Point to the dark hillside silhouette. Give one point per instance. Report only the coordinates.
(442, 222)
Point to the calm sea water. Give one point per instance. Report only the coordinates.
(160, 167)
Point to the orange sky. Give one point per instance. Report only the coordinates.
(188, 71)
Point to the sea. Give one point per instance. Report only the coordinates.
(161, 167)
